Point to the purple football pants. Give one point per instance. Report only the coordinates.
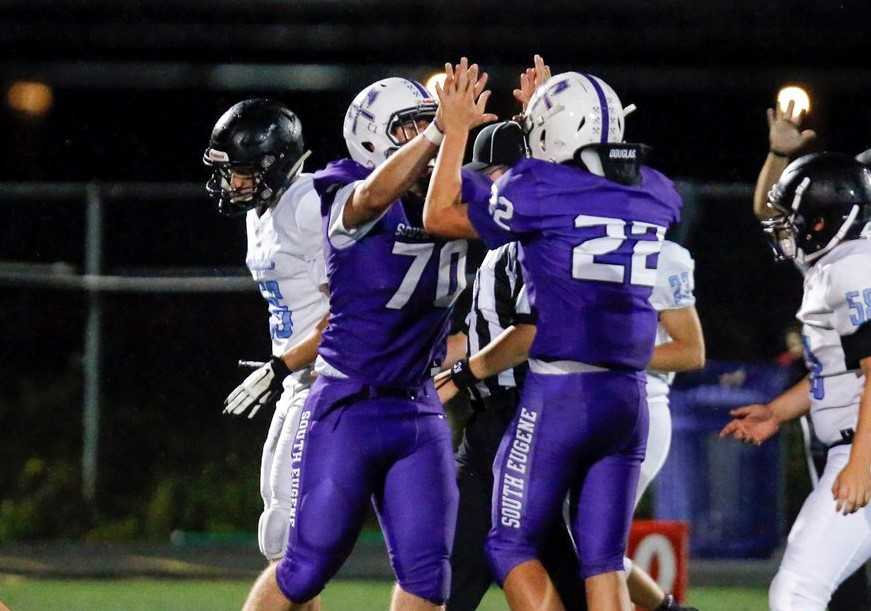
(356, 443)
(583, 434)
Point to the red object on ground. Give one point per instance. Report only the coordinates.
(661, 547)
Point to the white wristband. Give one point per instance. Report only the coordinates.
(433, 133)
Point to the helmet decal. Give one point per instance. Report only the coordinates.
(603, 105)
(799, 192)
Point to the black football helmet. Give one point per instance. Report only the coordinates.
(820, 200)
(258, 137)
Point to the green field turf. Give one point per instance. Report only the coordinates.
(23, 594)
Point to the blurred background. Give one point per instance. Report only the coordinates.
(111, 390)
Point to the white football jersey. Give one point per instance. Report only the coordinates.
(837, 300)
(673, 291)
(286, 259)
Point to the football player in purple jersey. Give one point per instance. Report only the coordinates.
(590, 219)
(373, 427)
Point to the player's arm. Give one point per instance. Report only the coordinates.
(443, 213)
(686, 350)
(757, 423)
(784, 141)
(456, 349)
(264, 386)
(304, 353)
(509, 349)
(461, 108)
(390, 180)
(852, 487)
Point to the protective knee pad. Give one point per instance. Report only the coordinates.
(503, 555)
(272, 532)
(790, 591)
(301, 579)
(430, 581)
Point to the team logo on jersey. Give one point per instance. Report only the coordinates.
(409, 232)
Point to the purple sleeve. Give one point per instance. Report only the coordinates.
(510, 210)
(476, 193)
(336, 175)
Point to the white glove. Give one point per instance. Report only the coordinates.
(260, 389)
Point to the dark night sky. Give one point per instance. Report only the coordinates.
(701, 80)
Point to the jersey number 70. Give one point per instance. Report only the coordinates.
(451, 272)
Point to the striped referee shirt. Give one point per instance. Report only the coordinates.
(498, 301)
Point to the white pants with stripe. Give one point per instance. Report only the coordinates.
(275, 480)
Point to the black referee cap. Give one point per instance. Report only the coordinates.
(497, 144)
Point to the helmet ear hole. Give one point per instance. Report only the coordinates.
(542, 139)
(581, 124)
(368, 146)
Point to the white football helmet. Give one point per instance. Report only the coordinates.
(377, 110)
(569, 111)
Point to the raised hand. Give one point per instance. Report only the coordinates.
(531, 79)
(462, 98)
(852, 487)
(784, 136)
(751, 424)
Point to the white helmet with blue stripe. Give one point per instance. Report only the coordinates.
(569, 111)
(377, 111)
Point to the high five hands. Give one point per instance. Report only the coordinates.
(462, 98)
(531, 79)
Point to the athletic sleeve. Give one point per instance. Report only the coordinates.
(340, 236)
(849, 297)
(675, 281)
(508, 212)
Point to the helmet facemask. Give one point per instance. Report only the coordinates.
(405, 123)
(267, 181)
(383, 117)
(794, 237)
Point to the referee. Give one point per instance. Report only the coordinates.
(498, 302)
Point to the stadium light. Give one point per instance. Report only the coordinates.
(438, 77)
(30, 97)
(795, 94)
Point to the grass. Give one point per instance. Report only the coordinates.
(24, 594)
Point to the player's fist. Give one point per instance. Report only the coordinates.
(852, 487)
(260, 389)
(784, 135)
(751, 424)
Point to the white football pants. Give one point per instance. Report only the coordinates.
(658, 445)
(823, 548)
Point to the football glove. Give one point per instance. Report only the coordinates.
(262, 388)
